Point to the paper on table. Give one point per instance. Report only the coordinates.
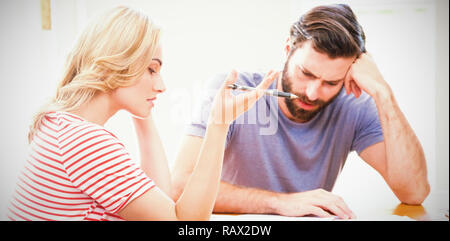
(267, 217)
(264, 217)
(384, 218)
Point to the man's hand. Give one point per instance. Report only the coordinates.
(316, 202)
(364, 75)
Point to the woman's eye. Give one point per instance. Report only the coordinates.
(331, 83)
(151, 70)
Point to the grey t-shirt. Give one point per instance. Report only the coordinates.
(266, 150)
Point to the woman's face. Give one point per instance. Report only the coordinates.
(139, 98)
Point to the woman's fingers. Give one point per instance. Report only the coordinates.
(230, 79)
(265, 83)
(268, 80)
(250, 98)
(227, 107)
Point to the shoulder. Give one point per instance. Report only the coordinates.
(251, 79)
(79, 137)
(70, 120)
(352, 120)
(62, 127)
(347, 109)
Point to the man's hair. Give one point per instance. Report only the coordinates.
(332, 29)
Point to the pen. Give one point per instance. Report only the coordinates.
(270, 92)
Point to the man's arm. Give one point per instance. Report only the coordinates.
(231, 198)
(400, 158)
(318, 202)
(237, 199)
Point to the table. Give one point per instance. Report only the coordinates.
(434, 208)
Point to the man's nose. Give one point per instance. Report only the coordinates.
(312, 90)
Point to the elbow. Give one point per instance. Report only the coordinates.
(178, 183)
(416, 196)
(410, 189)
(177, 189)
(191, 214)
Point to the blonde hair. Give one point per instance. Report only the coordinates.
(113, 51)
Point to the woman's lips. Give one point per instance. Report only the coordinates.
(150, 100)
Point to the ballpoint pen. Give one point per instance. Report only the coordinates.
(269, 92)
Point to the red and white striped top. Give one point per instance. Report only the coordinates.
(76, 170)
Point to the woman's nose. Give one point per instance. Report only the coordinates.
(159, 85)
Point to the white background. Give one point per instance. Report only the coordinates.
(408, 39)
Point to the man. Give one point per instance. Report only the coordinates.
(291, 171)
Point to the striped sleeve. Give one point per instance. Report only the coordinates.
(99, 165)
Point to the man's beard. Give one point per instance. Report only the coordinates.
(300, 114)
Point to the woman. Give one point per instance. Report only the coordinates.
(77, 170)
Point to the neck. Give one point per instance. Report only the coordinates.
(98, 110)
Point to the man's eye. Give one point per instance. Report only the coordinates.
(307, 74)
(331, 83)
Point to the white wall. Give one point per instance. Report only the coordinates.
(442, 95)
(30, 63)
(201, 38)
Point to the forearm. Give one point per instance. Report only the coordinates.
(406, 164)
(153, 158)
(236, 199)
(185, 163)
(200, 191)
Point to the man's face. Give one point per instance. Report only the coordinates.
(315, 78)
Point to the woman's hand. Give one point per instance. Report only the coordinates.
(227, 107)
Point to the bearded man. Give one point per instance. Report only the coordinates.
(284, 155)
